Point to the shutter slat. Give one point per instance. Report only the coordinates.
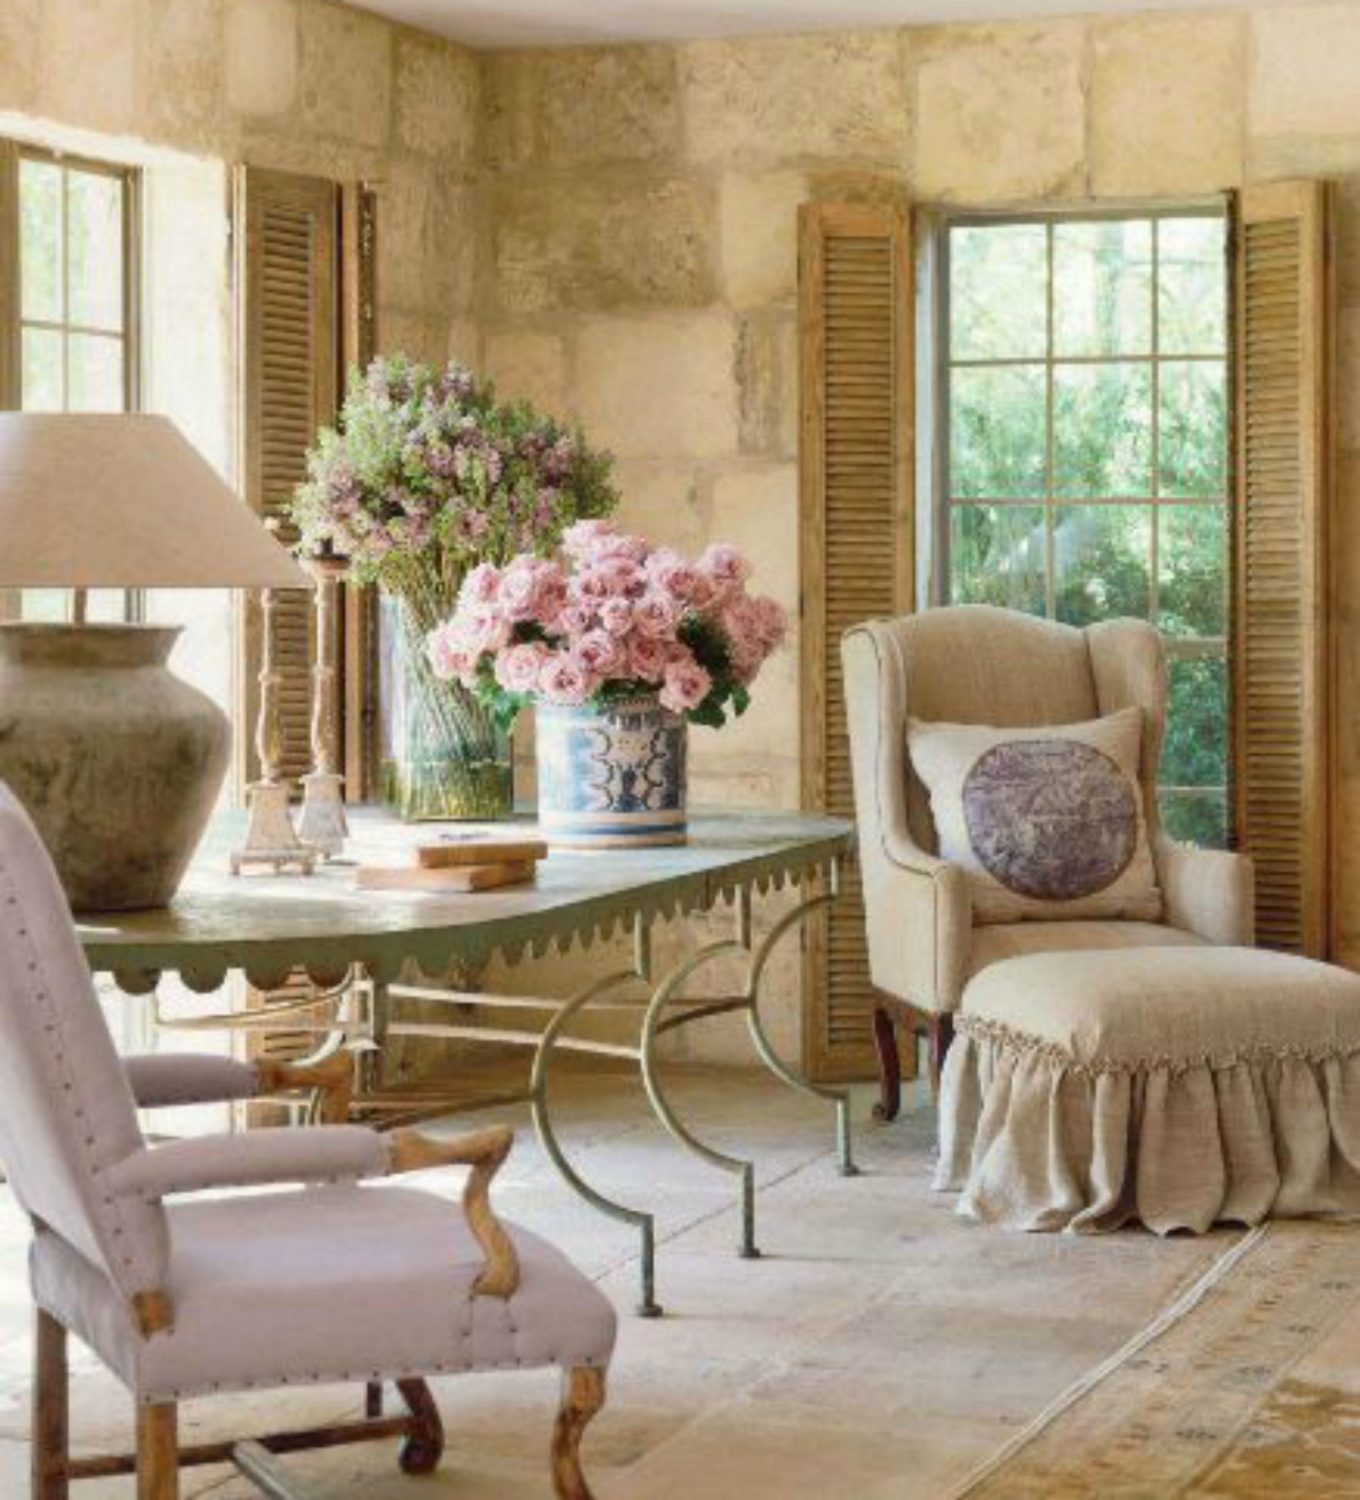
(1282, 651)
(288, 288)
(856, 332)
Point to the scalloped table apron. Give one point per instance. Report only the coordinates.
(361, 951)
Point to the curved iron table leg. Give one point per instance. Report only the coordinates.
(663, 995)
(538, 1106)
(839, 1097)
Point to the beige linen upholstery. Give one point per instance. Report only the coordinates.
(972, 664)
(328, 1282)
(998, 941)
(1179, 1086)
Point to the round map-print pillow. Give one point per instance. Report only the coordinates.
(1052, 819)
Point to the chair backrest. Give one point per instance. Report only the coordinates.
(67, 1113)
(975, 664)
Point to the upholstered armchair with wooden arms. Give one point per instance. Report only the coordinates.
(327, 1279)
(973, 664)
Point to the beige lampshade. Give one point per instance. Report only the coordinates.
(113, 501)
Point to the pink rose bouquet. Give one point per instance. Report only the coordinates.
(610, 617)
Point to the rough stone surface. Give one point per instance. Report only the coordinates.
(659, 386)
(665, 501)
(20, 44)
(1305, 72)
(785, 98)
(758, 219)
(438, 94)
(346, 73)
(602, 242)
(583, 105)
(1000, 113)
(261, 56)
(767, 383)
(1168, 98)
(530, 366)
(184, 66)
(91, 63)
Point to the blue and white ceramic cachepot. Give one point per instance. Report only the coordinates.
(612, 778)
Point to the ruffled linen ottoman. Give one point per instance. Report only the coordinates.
(1173, 1086)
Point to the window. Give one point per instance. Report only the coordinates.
(1083, 458)
(75, 305)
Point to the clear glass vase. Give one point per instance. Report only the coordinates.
(447, 757)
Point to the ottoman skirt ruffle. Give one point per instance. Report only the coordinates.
(1049, 1126)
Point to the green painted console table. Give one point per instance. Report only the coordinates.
(362, 948)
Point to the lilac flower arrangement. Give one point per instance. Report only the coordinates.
(429, 469)
(611, 617)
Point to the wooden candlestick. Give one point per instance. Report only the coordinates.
(323, 825)
(270, 837)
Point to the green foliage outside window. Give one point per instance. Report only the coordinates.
(1087, 456)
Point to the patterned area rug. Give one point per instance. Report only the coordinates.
(1249, 1387)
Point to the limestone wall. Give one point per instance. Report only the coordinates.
(638, 251)
(301, 85)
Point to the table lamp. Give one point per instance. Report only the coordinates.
(118, 761)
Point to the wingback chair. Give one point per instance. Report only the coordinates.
(324, 1280)
(974, 664)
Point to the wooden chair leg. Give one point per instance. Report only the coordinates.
(582, 1396)
(423, 1446)
(373, 1399)
(158, 1452)
(51, 1410)
(889, 1065)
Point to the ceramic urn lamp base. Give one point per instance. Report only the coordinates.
(118, 761)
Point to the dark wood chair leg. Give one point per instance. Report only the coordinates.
(158, 1452)
(373, 1399)
(51, 1410)
(941, 1039)
(583, 1392)
(423, 1445)
(889, 1065)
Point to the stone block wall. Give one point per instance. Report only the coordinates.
(638, 255)
(298, 85)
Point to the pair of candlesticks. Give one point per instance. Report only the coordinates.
(271, 839)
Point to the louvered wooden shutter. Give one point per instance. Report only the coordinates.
(1282, 647)
(288, 318)
(856, 462)
(359, 607)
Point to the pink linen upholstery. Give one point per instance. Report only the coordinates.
(326, 1283)
(67, 1114)
(329, 1285)
(168, 1079)
(338, 1153)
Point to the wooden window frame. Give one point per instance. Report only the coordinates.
(12, 322)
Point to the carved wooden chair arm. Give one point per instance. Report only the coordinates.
(483, 1151)
(333, 1079)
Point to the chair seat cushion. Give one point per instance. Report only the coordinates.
(1176, 1085)
(1001, 940)
(330, 1284)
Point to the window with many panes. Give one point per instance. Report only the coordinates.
(1083, 461)
(74, 341)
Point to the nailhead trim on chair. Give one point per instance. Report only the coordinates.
(356, 1377)
(144, 1278)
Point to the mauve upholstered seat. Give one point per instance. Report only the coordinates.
(341, 1283)
(314, 1277)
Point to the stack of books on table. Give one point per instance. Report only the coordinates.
(450, 863)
